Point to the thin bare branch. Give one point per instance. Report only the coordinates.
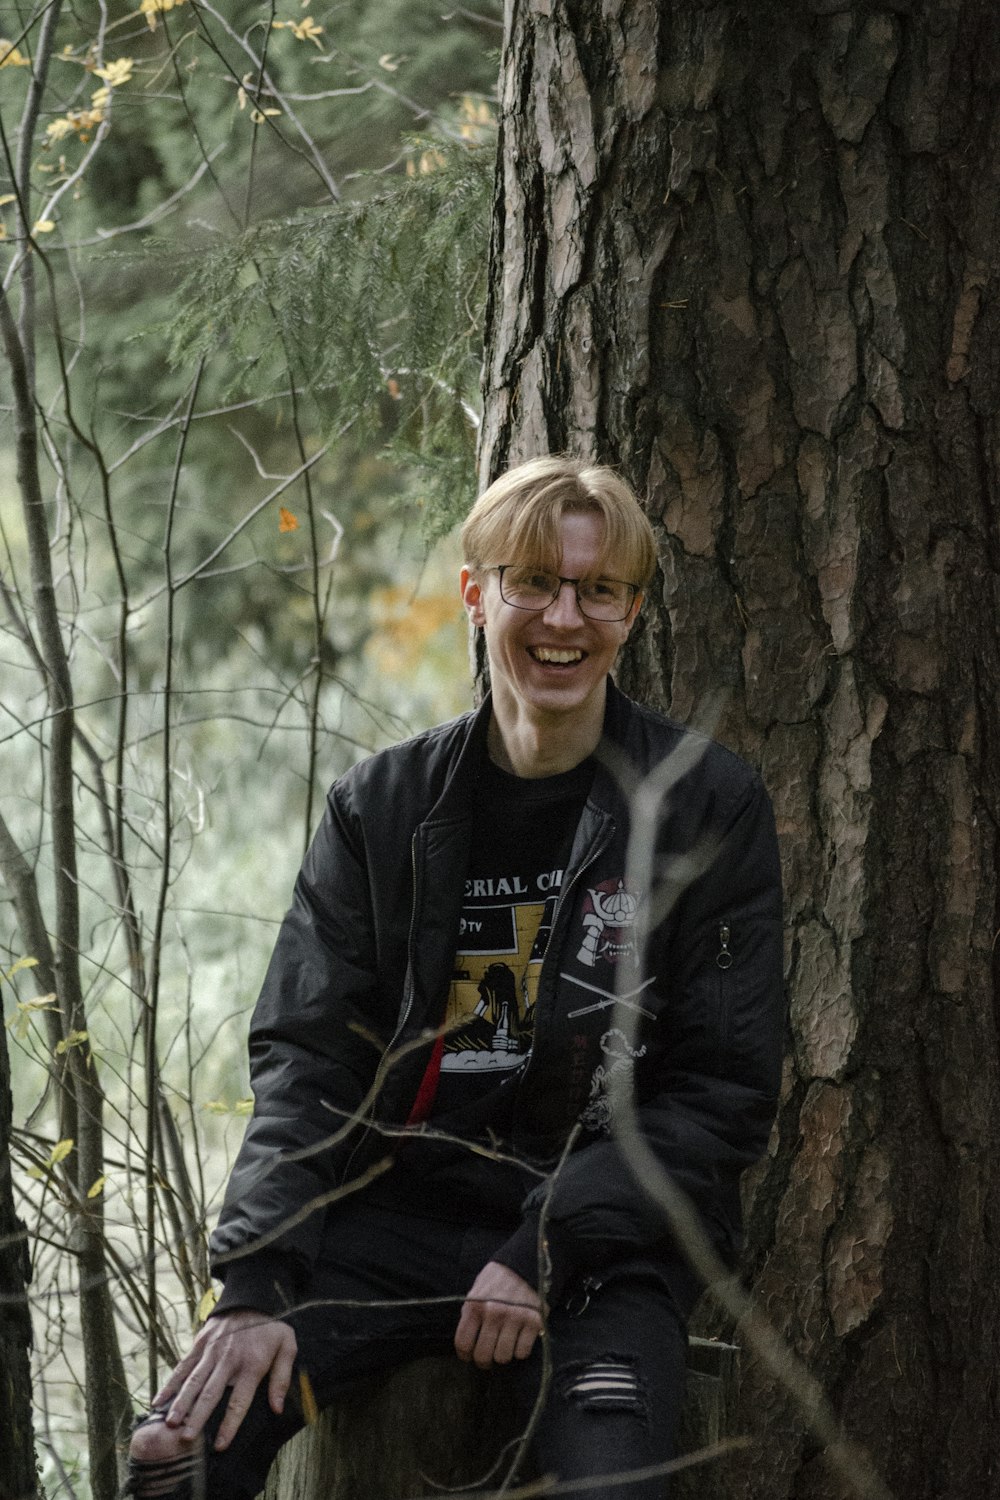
(312, 151)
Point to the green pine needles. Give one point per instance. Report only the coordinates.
(374, 306)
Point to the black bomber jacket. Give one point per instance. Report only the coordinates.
(344, 1027)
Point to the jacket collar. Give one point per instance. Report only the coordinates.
(613, 761)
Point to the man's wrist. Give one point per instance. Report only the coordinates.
(545, 1268)
(265, 1282)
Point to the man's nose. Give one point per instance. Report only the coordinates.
(564, 609)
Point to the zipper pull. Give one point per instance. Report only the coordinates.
(579, 1299)
(724, 958)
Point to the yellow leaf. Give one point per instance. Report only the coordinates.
(75, 1039)
(37, 1173)
(44, 226)
(22, 963)
(101, 98)
(11, 56)
(60, 1151)
(222, 1107)
(206, 1304)
(307, 30)
(116, 73)
(78, 121)
(243, 1107)
(286, 521)
(3, 231)
(20, 1022)
(310, 1410)
(241, 97)
(9, 198)
(96, 1188)
(152, 8)
(388, 62)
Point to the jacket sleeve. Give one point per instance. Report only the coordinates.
(315, 1040)
(707, 1107)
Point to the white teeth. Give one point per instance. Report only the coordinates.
(560, 658)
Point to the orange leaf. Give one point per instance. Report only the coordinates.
(310, 1410)
(286, 521)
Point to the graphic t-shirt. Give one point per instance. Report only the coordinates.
(520, 848)
(522, 838)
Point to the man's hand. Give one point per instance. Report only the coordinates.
(235, 1349)
(501, 1318)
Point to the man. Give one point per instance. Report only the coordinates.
(431, 1158)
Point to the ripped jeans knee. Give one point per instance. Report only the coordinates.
(608, 1383)
(163, 1473)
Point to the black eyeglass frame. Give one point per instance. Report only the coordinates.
(501, 568)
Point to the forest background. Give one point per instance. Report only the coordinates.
(230, 527)
(748, 253)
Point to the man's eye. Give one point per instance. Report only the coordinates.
(600, 588)
(528, 578)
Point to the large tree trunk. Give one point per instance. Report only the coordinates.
(749, 253)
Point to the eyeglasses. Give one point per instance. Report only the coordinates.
(607, 599)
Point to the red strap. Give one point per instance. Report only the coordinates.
(424, 1102)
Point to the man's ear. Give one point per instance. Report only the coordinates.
(472, 596)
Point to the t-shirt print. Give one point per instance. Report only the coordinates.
(504, 930)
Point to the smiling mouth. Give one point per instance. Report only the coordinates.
(551, 657)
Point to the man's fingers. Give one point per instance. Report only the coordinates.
(199, 1398)
(506, 1339)
(516, 1332)
(526, 1340)
(492, 1333)
(281, 1374)
(236, 1409)
(486, 1338)
(467, 1331)
(168, 1390)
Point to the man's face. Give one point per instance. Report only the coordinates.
(554, 660)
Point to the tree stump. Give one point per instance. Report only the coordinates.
(436, 1424)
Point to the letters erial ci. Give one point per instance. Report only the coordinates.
(514, 886)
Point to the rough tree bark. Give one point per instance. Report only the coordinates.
(749, 253)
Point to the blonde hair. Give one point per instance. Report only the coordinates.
(517, 519)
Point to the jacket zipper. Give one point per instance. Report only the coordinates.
(407, 1005)
(724, 957)
(562, 901)
(724, 960)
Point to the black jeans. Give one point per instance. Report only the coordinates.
(617, 1348)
